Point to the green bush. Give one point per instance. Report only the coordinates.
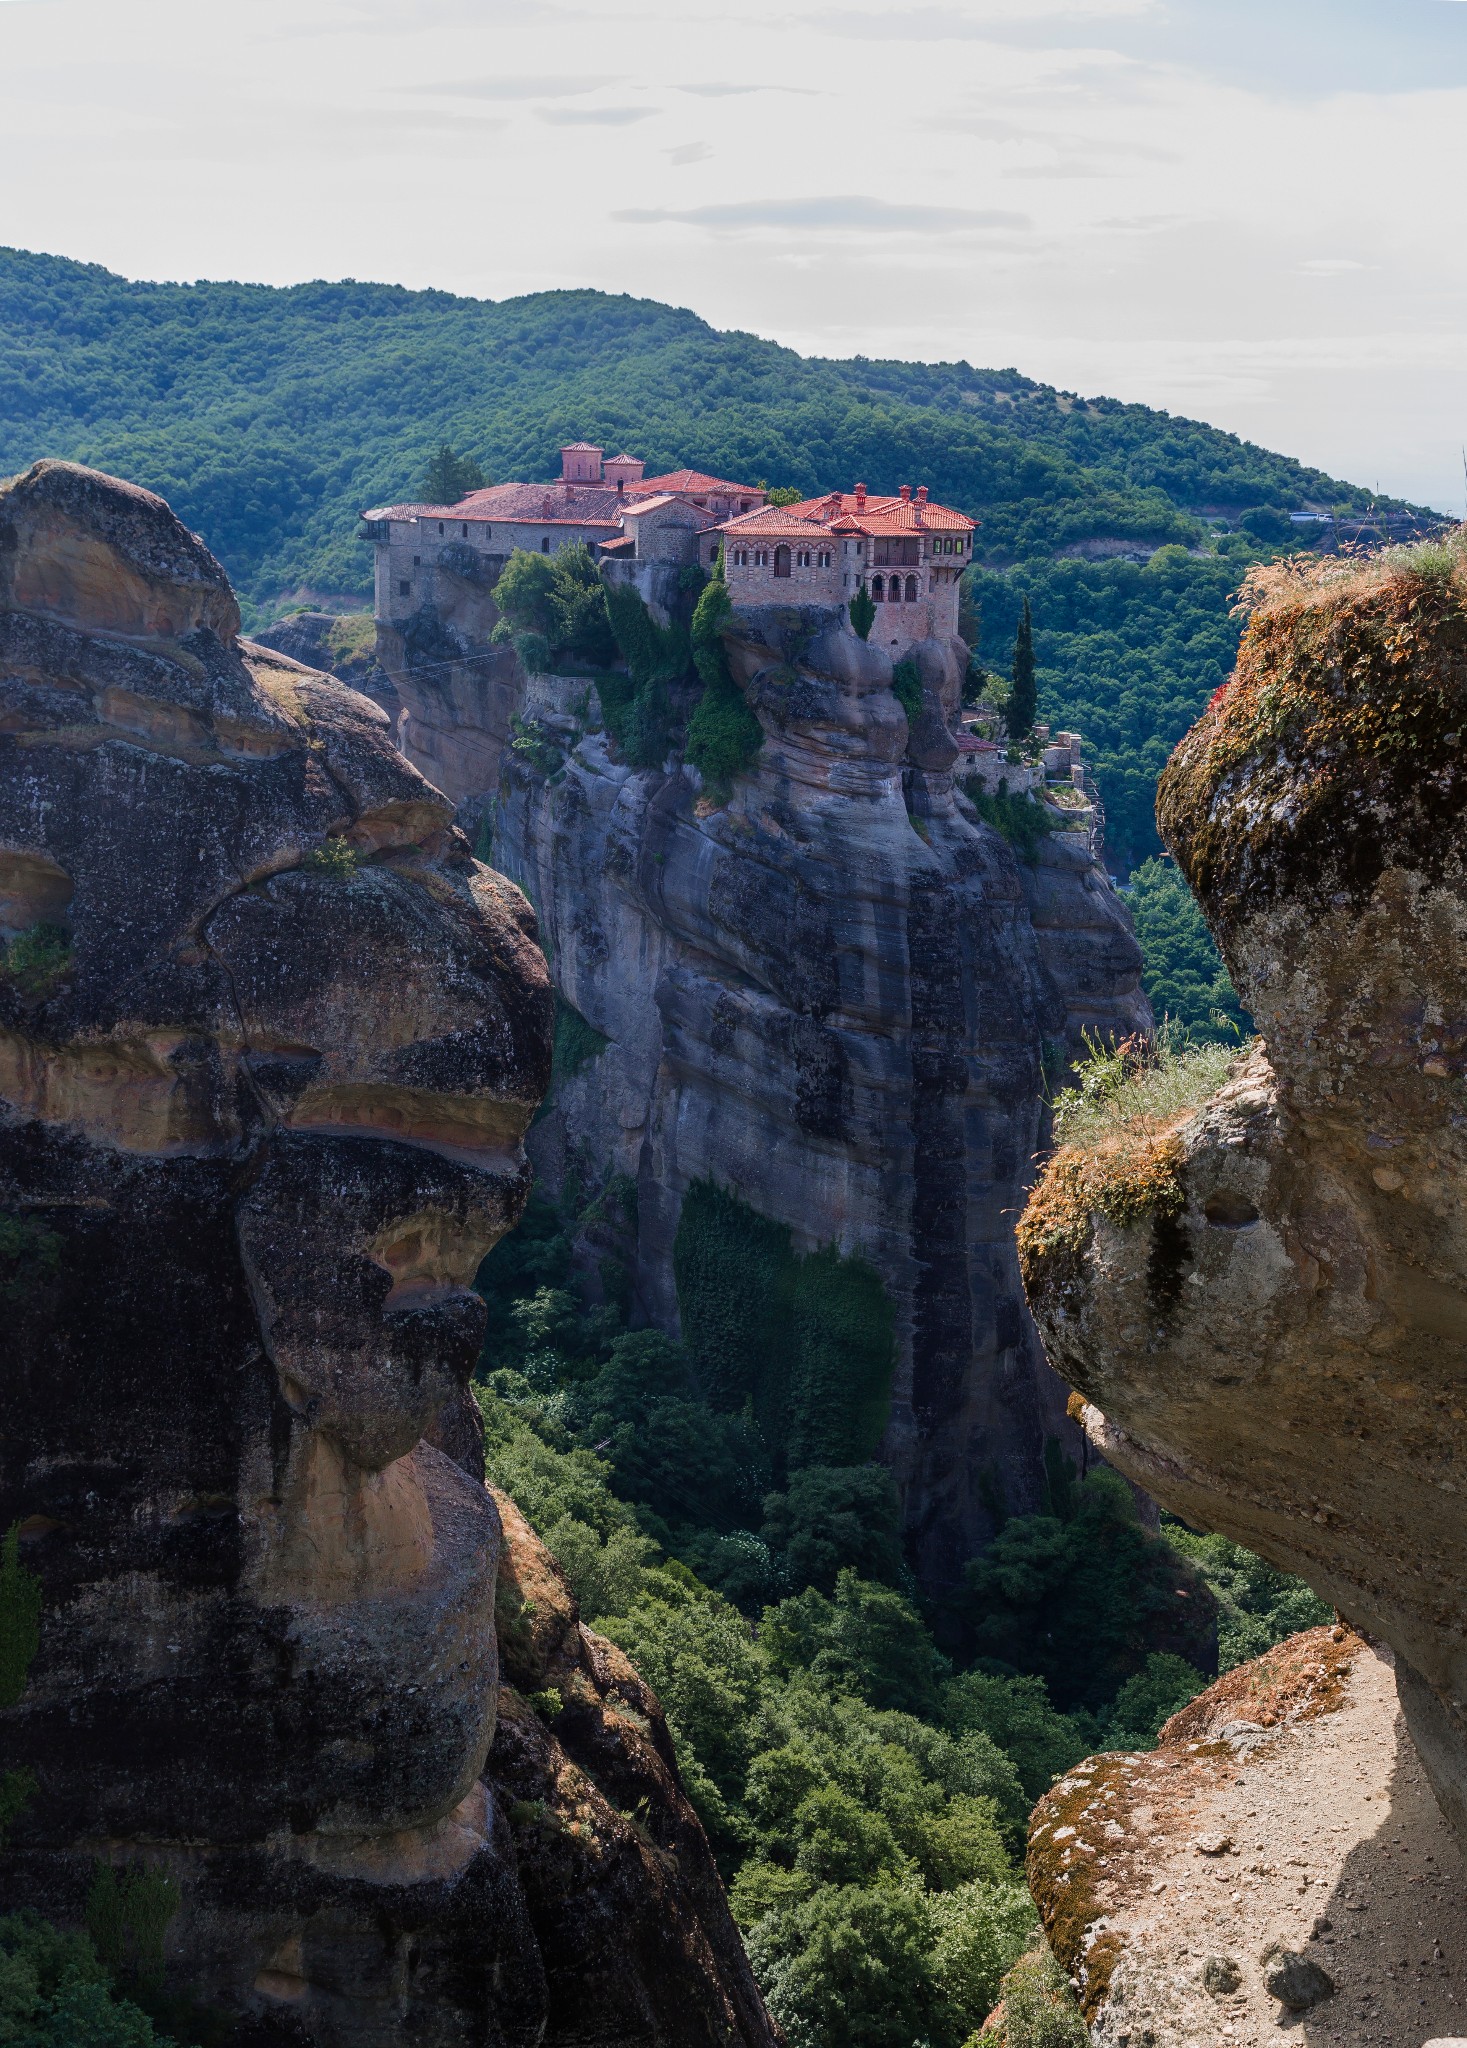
(35, 960)
(1158, 1690)
(832, 1516)
(1083, 1603)
(851, 1967)
(1183, 975)
(1039, 2009)
(723, 736)
(906, 687)
(862, 609)
(1022, 820)
(809, 1340)
(29, 1255)
(1258, 1605)
(55, 1993)
(865, 1638)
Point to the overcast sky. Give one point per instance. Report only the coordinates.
(1251, 211)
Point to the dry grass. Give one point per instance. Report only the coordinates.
(1119, 1153)
(1273, 586)
(1117, 1091)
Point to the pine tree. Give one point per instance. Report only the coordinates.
(450, 477)
(863, 612)
(1024, 695)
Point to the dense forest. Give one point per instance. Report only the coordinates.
(863, 1757)
(269, 417)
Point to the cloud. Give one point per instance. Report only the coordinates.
(1332, 266)
(561, 88)
(689, 153)
(595, 117)
(723, 92)
(878, 216)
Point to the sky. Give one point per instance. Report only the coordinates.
(1246, 211)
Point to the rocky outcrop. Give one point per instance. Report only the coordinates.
(1278, 1861)
(834, 994)
(340, 644)
(1264, 1300)
(269, 1043)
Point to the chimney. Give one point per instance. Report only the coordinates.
(860, 497)
(921, 494)
(906, 494)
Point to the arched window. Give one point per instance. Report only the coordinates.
(911, 590)
(466, 529)
(825, 558)
(545, 544)
(878, 589)
(440, 526)
(781, 561)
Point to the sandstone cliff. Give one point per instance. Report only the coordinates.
(269, 1043)
(832, 994)
(1265, 1300)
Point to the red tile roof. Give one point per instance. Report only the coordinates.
(884, 515)
(772, 519)
(557, 504)
(687, 481)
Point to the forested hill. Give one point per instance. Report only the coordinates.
(269, 416)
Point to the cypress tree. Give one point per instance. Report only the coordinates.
(863, 611)
(1024, 693)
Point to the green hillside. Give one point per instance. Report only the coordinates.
(269, 417)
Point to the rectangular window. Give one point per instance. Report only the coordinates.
(404, 589)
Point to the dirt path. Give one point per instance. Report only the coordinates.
(1328, 1819)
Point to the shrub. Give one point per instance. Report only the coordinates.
(1023, 821)
(54, 1993)
(1016, 1714)
(724, 736)
(29, 1254)
(35, 960)
(906, 687)
(862, 609)
(809, 1340)
(1084, 1603)
(1258, 1605)
(1160, 1689)
(335, 861)
(1184, 976)
(980, 1931)
(1039, 2009)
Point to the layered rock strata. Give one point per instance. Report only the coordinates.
(833, 993)
(269, 1042)
(1264, 1300)
(1278, 1861)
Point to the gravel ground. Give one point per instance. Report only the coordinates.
(1336, 1850)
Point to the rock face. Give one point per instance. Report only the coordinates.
(1273, 1336)
(1279, 1853)
(343, 645)
(834, 999)
(269, 1042)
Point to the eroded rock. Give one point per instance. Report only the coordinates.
(269, 1043)
(833, 994)
(1265, 1301)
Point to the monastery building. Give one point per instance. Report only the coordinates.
(908, 550)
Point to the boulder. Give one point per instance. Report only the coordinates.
(1263, 1297)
